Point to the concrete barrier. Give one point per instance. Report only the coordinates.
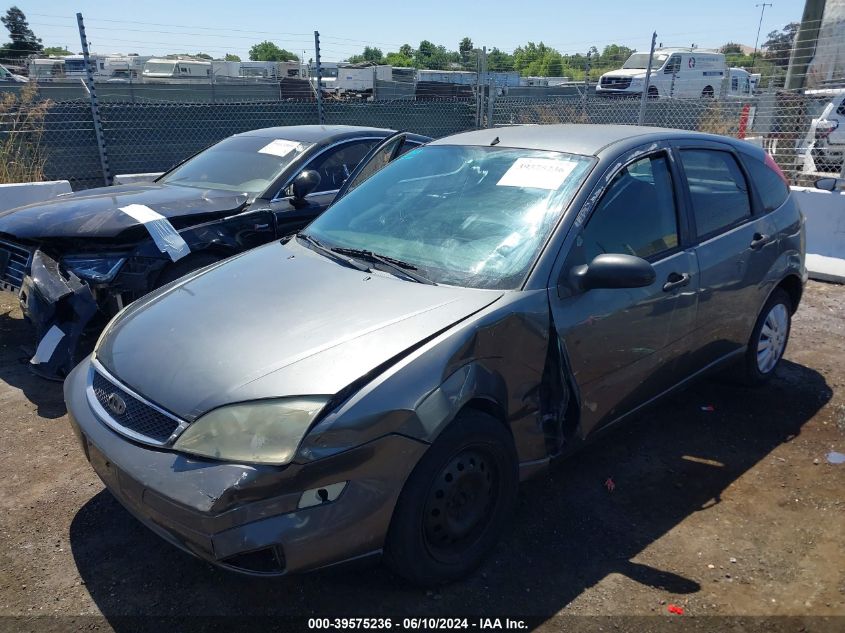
(825, 213)
(19, 194)
(131, 179)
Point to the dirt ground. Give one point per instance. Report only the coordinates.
(730, 511)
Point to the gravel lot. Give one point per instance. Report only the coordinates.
(734, 511)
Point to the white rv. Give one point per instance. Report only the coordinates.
(740, 85)
(176, 70)
(342, 78)
(46, 68)
(675, 72)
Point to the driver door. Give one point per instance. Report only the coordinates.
(626, 345)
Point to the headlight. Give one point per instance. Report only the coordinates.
(263, 432)
(637, 81)
(97, 268)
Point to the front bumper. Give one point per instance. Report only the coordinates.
(60, 307)
(247, 517)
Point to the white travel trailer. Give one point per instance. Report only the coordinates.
(125, 67)
(675, 72)
(176, 70)
(740, 85)
(46, 68)
(342, 78)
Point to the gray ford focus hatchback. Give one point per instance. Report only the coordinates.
(465, 312)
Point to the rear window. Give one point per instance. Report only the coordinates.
(771, 187)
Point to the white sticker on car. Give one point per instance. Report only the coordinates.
(537, 173)
(279, 147)
(47, 345)
(166, 238)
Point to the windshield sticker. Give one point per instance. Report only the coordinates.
(166, 238)
(537, 173)
(279, 147)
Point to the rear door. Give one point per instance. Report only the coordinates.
(626, 346)
(734, 243)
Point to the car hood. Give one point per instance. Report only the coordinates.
(280, 320)
(627, 72)
(96, 212)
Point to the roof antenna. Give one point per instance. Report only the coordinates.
(495, 141)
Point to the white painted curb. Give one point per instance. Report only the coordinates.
(18, 194)
(825, 213)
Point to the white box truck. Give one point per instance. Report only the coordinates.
(675, 72)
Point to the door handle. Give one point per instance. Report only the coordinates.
(758, 240)
(676, 280)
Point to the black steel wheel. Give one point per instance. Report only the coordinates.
(455, 504)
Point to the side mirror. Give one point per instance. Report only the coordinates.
(830, 184)
(612, 270)
(305, 182)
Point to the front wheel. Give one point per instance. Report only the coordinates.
(768, 339)
(454, 505)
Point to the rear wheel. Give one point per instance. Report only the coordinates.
(707, 93)
(454, 505)
(769, 338)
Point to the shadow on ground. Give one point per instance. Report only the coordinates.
(16, 345)
(568, 534)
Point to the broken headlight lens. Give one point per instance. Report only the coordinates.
(262, 432)
(97, 268)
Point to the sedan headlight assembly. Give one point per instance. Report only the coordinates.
(261, 432)
(96, 268)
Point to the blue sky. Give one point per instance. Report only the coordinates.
(218, 27)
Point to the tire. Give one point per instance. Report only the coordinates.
(653, 93)
(707, 93)
(772, 333)
(184, 266)
(454, 506)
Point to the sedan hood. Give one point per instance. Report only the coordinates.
(95, 213)
(279, 320)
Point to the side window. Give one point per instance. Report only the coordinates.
(335, 164)
(377, 162)
(673, 65)
(636, 215)
(771, 187)
(718, 189)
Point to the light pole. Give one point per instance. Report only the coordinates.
(763, 6)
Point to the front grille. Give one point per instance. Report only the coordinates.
(138, 416)
(615, 83)
(14, 264)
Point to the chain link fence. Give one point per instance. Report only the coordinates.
(144, 136)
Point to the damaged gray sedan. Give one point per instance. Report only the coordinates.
(379, 383)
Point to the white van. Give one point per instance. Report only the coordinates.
(741, 85)
(828, 149)
(675, 72)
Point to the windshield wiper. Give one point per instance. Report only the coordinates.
(396, 265)
(318, 246)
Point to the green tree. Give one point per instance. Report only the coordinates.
(23, 41)
(55, 50)
(499, 61)
(406, 50)
(371, 54)
(731, 48)
(778, 44)
(231, 58)
(465, 48)
(267, 51)
(399, 60)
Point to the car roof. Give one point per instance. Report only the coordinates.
(573, 138)
(317, 133)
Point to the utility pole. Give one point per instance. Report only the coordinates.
(759, 26)
(644, 97)
(804, 47)
(319, 77)
(95, 107)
